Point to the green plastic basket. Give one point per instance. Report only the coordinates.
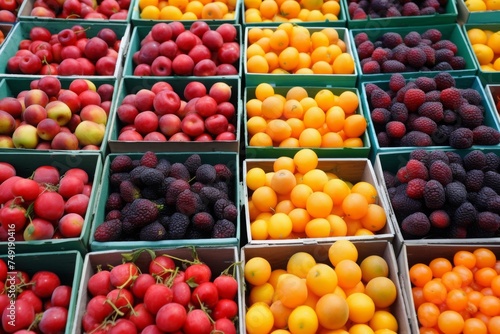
(466, 16)
(487, 77)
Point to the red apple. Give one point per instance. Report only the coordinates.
(46, 174)
(73, 123)
(216, 124)
(166, 102)
(186, 41)
(204, 68)
(69, 66)
(106, 91)
(193, 125)
(142, 70)
(38, 229)
(7, 123)
(226, 69)
(227, 31)
(149, 52)
(36, 96)
(161, 66)
(106, 66)
(199, 28)
(206, 106)
(155, 136)
(229, 53)
(130, 135)
(161, 32)
(51, 85)
(177, 27)
(183, 65)
(64, 141)
(95, 48)
(94, 113)
(169, 49)
(204, 137)
(33, 114)
(71, 225)
(25, 136)
(47, 129)
(89, 97)
(58, 111)
(199, 52)
(212, 40)
(179, 136)
(146, 122)
(194, 89)
(161, 85)
(226, 136)
(169, 124)
(90, 133)
(144, 100)
(127, 113)
(226, 109)
(71, 99)
(77, 204)
(12, 106)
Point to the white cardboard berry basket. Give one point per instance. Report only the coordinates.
(391, 162)
(278, 255)
(217, 258)
(352, 170)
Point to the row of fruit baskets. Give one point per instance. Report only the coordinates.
(161, 173)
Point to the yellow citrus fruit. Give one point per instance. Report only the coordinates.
(279, 226)
(382, 291)
(255, 178)
(342, 250)
(303, 320)
(494, 42)
(305, 160)
(259, 319)
(361, 307)
(477, 36)
(484, 53)
(321, 279)
(258, 229)
(261, 293)
(384, 320)
(300, 263)
(257, 270)
(374, 266)
(332, 311)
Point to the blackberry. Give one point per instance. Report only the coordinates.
(458, 63)
(445, 44)
(414, 98)
(492, 179)
(451, 98)
(188, 202)
(416, 57)
(203, 221)
(121, 163)
(425, 125)
(420, 155)
(454, 157)
(399, 112)
(465, 215)
(396, 82)
(416, 138)
(223, 173)
(404, 205)
(383, 139)
(444, 55)
(135, 175)
(483, 195)
(493, 204)
(442, 134)
(456, 193)
(129, 191)
(433, 96)
(410, 9)
(485, 135)
(426, 84)
(164, 166)
(434, 195)
(442, 66)
(393, 12)
(414, 169)
(380, 99)
(175, 188)
(116, 178)
(437, 155)
(444, 80)
(415, 188)
(474, 180)
(114, 202)
(113, 214)
(149, 159)
(210, 195)
(223, 228)
(179, 171)
(391, 39)
(400, 53)
(151, 177)
(450, 117)
(428, 11)
(389, 179)
(417, 224)
(488, 221)
(381, 55)
(222, 186)
(471, 115)
(192, 163)
(472, 96)
(393, 66)
(441, 172)
(380, 116)
(230, 213)
(395, 129)
(434, 35)
(360, 38)
(461, 138)
(197, 186)
(430, 55)
(439, 218)
(365, 49)
(370, 67)
(206, 174)
(177, 226)
(475, 159)
(152, 232)
(218, 207)
(110, 230)
(492, 161)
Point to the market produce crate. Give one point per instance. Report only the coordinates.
(137, 20)
(493, 94)
(67, 265)
(12, 86)
(341, 22)
(25, 14)
(5, 28)
(391, 162)
(217, 258)
(466, 16)
(140, 32)
(21, 31)
(487, 77)
(253, 152)
(26, 163)
(133, 85)
(349, 170)
(425, 253)
(278, 255)
(451, 32)
(230, 159)
(449, 16)
(490, 118)
(336, 80)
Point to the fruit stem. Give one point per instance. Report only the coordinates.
(205, 310)
(132, 257)
(231, 267)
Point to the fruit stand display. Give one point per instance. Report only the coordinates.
(484, 40)
(253, 140)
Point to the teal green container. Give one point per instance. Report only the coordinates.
(487, 77)
(133, 85)
(449, 16)
(66, 264)
(5, 28)
(22, 29)
(336, 80)
(276, 152)
(230, 159)
(490, 117)
(493, 94)
(217, 258)
(391, 161)
(341, 22)
(140, 32)
(12, 86)
(138, 21)
(26, 163)
(466, 16)
(24, 15)
(452, 32)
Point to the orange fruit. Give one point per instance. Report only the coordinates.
(259, 319)
(384, 321)
(316, 179)
(314, 117)
(283, 181)
(477, 36)
(382, 291)
(293, 109)
(374, 266)
(296, 93)
(420, 274)
(291, 290)
(303, 319)
(260, 139)
(355, 205)
(305, 160)
(256, 124)
(288, 58)
(450, 322)
(280, 314)
(263, 91)
(299, 195)
(332, 311)
(264, 199)
(342, 249)
(257, 270)
(272, 107)
(255, 178)
(279, 226)
(278, 130)
(257, 64)
(361, 307)
(310, 137)
(319, 205)
(343, 64)
(348, 101)
(348, 273)
(211, 11)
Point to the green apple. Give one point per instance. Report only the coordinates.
(90, 133)
(25, 136)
